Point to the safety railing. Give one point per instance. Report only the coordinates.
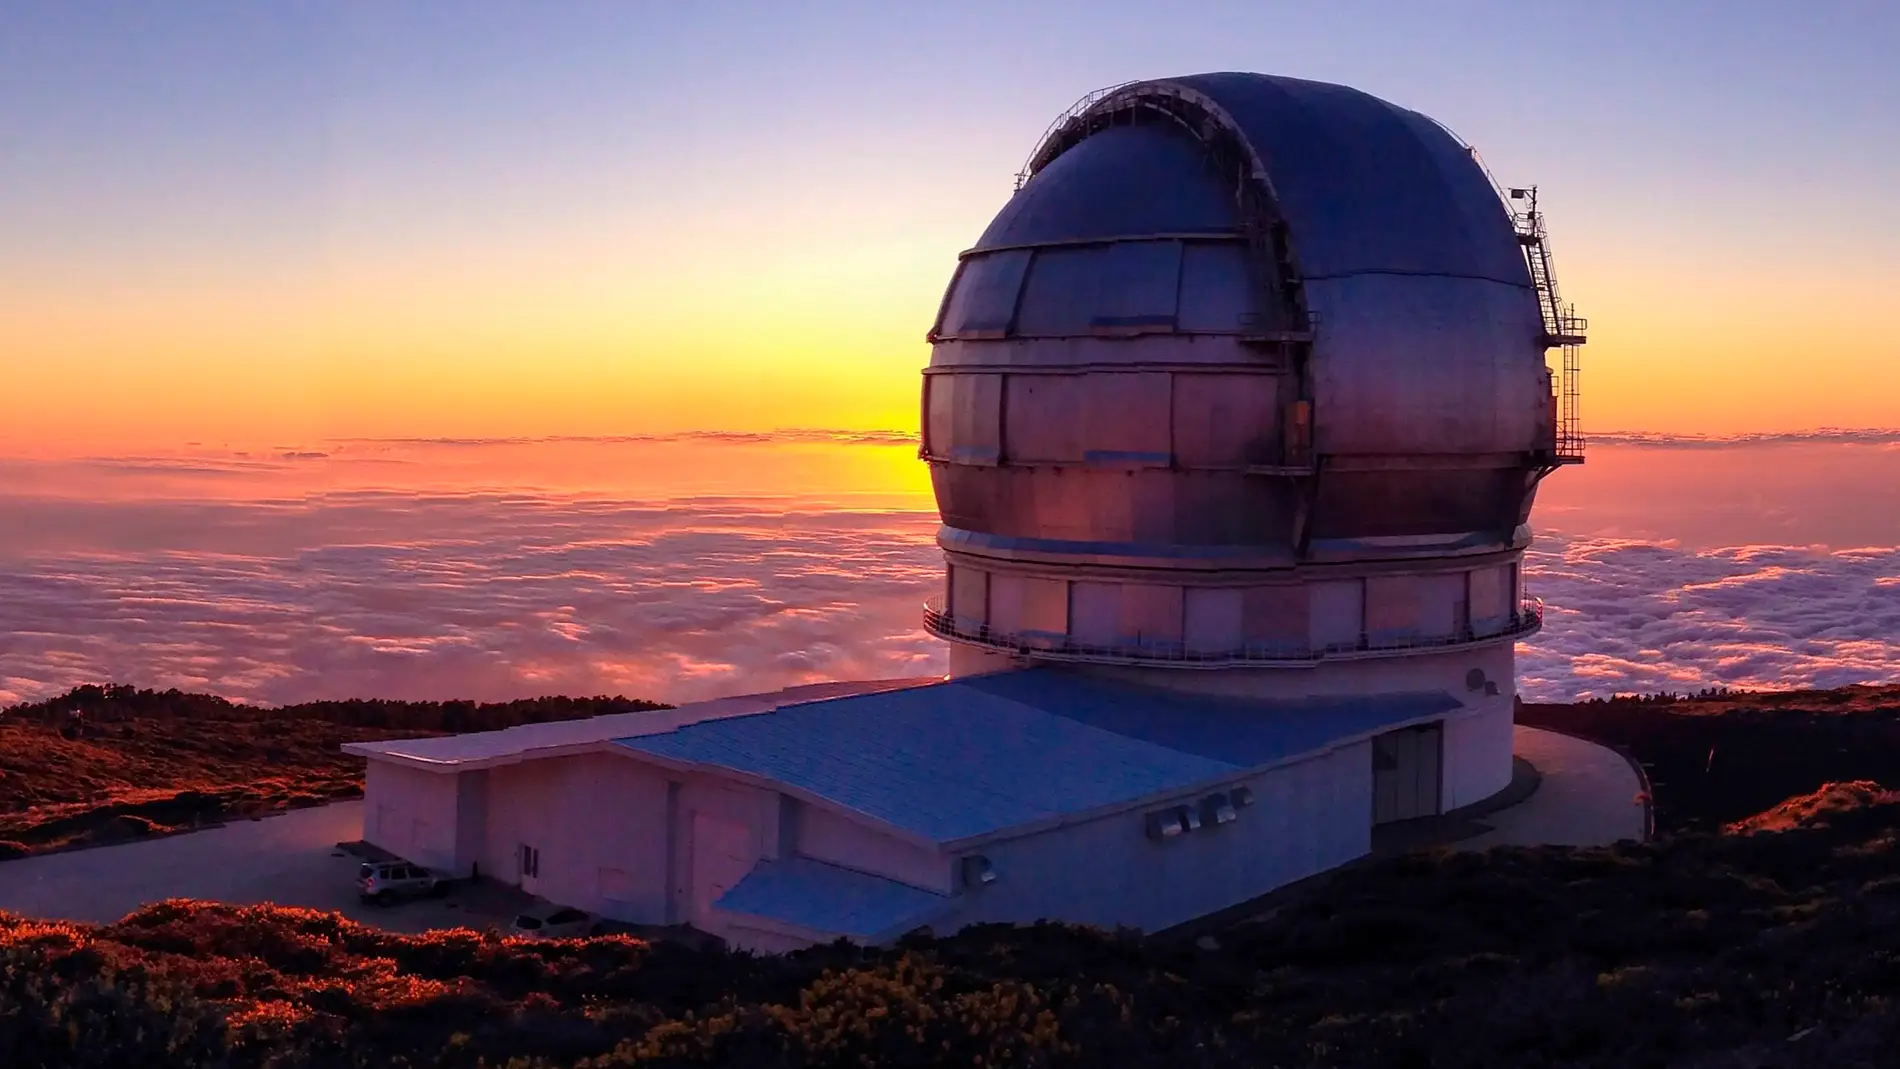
(1056, 646)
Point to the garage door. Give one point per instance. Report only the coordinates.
(722, 855)
(1405, 773)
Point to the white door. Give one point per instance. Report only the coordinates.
(1406, 781)
(722, 855)
(528, 867)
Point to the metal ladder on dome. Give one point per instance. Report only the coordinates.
(1563, 328)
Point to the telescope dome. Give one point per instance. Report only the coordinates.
(1249, 372)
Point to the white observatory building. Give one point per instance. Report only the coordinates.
(1235, 414)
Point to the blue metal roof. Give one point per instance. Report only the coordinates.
(826, 898)
(951, 761)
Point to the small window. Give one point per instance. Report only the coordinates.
(530, 861)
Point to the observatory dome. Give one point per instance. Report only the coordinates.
(1249, 372)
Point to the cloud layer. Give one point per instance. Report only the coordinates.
(430, 588)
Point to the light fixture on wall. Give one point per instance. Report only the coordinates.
(1217, 809)
(1166, 824)
(977, 871)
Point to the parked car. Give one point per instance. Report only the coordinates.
(562, 923)
(383, 882)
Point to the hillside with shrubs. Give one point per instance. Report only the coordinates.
(1765, 948)
(1761, 938)
(105, 764)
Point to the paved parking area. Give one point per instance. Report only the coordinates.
(1588, 795)
(288, 858)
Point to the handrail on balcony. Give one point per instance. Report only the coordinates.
(1057, 646)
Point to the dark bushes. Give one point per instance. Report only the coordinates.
(1768, 949)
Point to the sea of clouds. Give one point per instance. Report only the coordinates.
(240, 576)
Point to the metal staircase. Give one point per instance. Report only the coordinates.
(1563, 328)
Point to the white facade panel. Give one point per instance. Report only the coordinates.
(1027, 605)
(1336, 613)
(1477, 761)
(1490, 599)
(582, 815)
(1107, 872)
(1442, 611)
(1213, 619)
(825, 836)
(741, 824)
(1151, 614)
(1275, 616)
(969, 596)
(412, 813)
(1095, 612)
(1392, 608)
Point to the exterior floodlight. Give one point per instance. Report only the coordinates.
(977, 871)
(1165, 825)
(1216, 809)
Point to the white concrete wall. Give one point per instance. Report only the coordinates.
(411, 813)
(599, 822)
(1478, 752)
(826, 836)
(756, 809)
(1306, 818)
(1380, 675)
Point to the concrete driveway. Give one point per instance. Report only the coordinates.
(288, 858)
(1588, 796)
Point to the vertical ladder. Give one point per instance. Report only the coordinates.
(1563, 328)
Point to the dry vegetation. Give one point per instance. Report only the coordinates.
(1743, 937)
(1765, 949)
(103, 764)
(1720, 756)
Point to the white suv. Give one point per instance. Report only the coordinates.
(382, 882)
(562, 923)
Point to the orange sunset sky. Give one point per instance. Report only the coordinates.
(288, 223)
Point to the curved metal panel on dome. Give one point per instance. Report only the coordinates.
(1124, 181)
(1366, 186)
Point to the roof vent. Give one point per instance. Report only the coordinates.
(977, 871)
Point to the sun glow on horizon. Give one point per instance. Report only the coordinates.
(389, 221)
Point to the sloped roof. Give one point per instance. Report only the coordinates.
(826, 898)
(955, 761)
(482, 749)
